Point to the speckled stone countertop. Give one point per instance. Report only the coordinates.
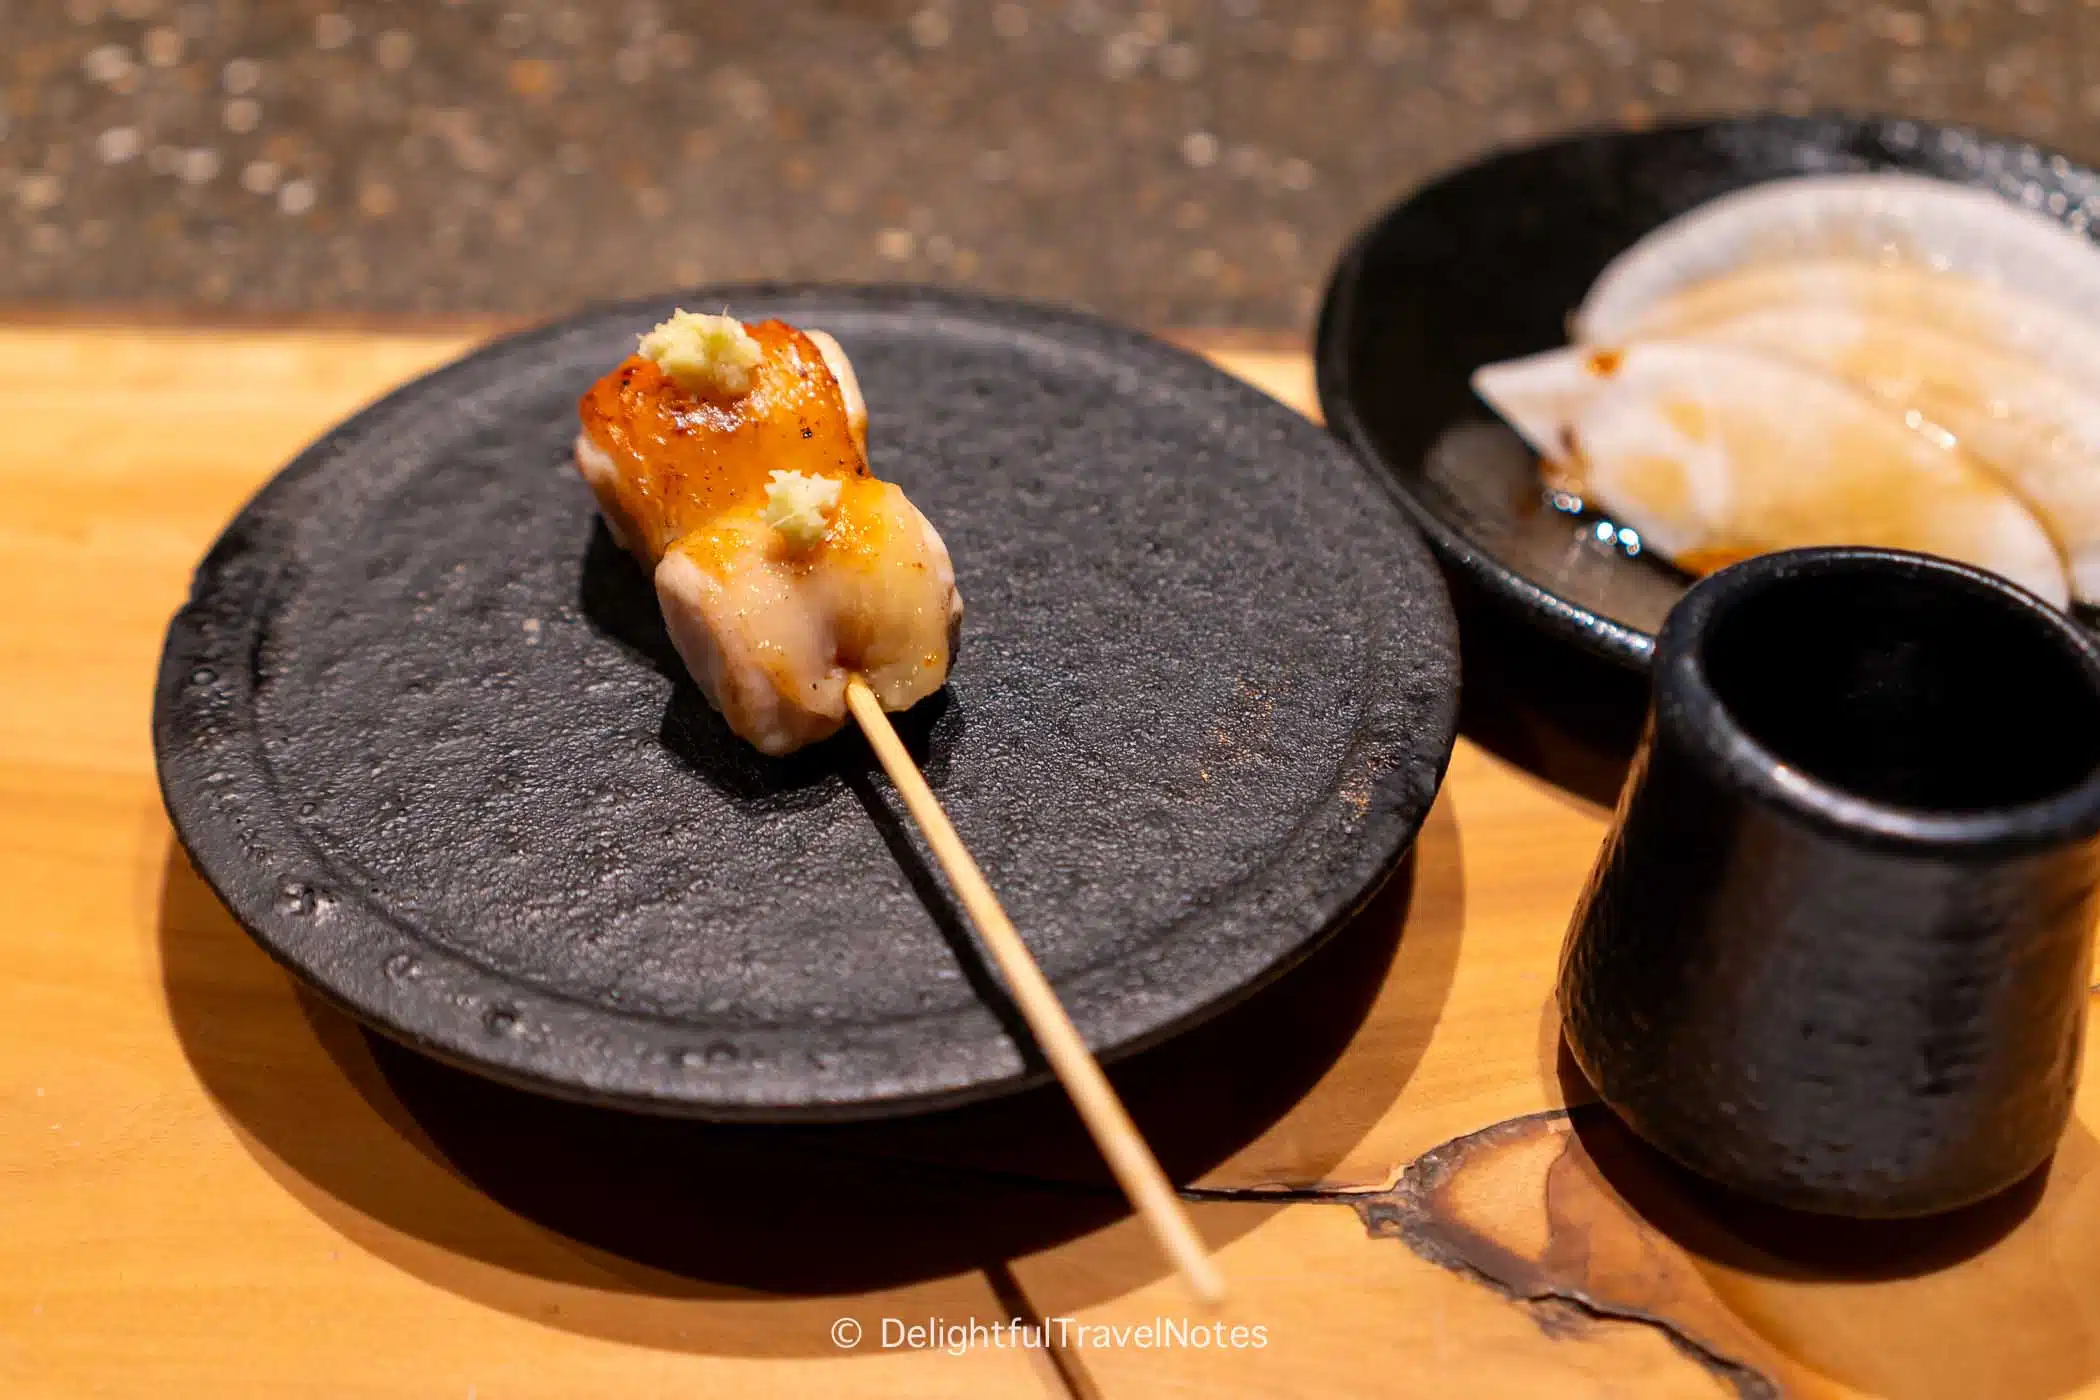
(1169, 163)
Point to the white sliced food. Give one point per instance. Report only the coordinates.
(2039, 432)
(1714, 454)
(1994, 318)
(1884, 217)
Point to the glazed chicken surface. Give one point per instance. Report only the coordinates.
(731, 461)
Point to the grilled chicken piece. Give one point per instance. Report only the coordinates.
(731, 460)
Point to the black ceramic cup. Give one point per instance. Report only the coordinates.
(1835, 951)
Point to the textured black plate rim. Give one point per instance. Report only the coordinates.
(1317, 895)
(1559, 617)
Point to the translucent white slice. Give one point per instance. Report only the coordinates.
(1994, 318)
(1715, 453)
(1886, 218)
(2039, 433)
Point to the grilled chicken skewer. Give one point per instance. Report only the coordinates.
(731, 460)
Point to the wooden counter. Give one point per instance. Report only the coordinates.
(212, 1187)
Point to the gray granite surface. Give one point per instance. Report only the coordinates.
(1175, 163)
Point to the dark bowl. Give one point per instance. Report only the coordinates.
(1835, 951)
(1486, 263)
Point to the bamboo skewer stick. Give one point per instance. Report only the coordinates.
(1135, 1168)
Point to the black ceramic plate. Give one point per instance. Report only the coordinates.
(1486, 263)
(420, 727)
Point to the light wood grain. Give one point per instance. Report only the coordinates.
(211, 1187)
